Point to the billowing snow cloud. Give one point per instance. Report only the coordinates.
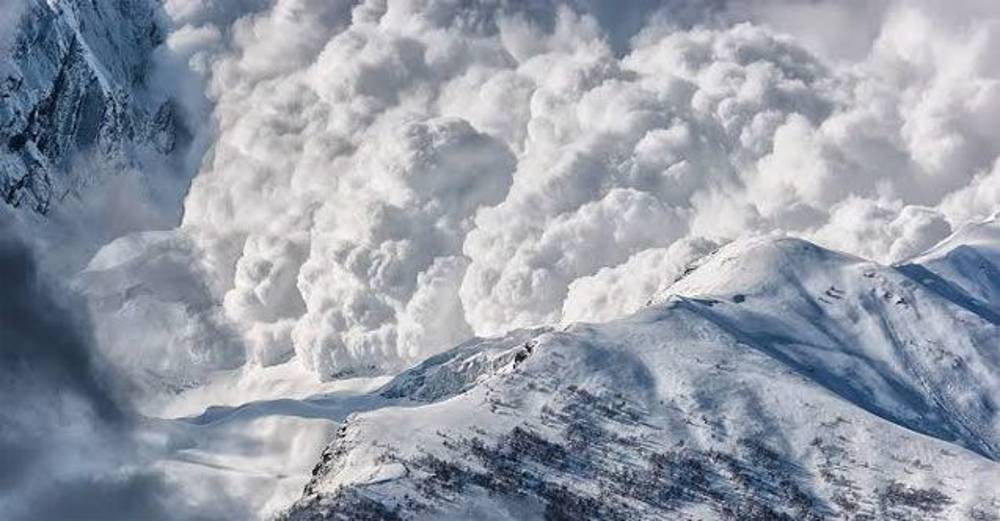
(390, 177)
(71, 446)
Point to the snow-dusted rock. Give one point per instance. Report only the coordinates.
(74, 86)
(778, 380)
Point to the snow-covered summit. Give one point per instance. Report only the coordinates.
(906, 346)
(777, 380)
(761, 265)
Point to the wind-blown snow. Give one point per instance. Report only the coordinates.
(392, 177)
(776, 380)
(71, 444)
(388, 179)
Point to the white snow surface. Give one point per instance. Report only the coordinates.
(968, 259)
(859, 382)
(611, 219)
(256, 446)
(862, 376)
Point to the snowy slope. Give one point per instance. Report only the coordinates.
(966, 265)
(255, 447)
(74, 86)
(776, 380)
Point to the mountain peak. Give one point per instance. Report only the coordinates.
(759, 265)
(854, 386)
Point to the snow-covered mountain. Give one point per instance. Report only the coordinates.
(380, 180)
(775, 380)
(75, 87)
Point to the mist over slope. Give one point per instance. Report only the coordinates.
(72, 446)
(390, 178)
(724, 258)
(73, 88)
(96, 138)
(778, 380)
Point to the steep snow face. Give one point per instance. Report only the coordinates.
(777, 380)
(969, 260)
(884, 338)
(73, 86)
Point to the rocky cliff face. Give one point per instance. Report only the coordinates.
(74, 85)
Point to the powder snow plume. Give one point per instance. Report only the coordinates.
(391, 177)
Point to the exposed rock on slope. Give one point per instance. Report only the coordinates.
(73, 83)
(778, 380)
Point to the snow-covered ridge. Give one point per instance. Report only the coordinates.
(969, 260)
(777, 380)
(458, 370)
(889, 339)
(390, 178)
(74, 86)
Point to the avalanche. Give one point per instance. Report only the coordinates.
(777, 379)
(560, 259)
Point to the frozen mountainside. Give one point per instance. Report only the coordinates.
(906, 351)
(967, 262)
(74, 86)
(777, 380)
